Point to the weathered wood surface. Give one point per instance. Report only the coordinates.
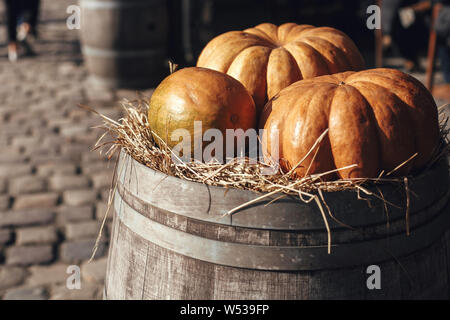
(125, 42)
(285, 257)
(209, 203)
(157, 253)
(146, 271)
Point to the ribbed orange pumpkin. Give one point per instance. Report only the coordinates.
(268, 58)
(376, 118)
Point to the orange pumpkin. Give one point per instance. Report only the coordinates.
(198, 94)
(376, 118)
(268, 58)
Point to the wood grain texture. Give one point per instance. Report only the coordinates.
(281, 238)
(147, 264)
(157, 190)
(169, 275)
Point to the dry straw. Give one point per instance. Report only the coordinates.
(133, 134)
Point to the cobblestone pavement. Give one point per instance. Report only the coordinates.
(53, 190)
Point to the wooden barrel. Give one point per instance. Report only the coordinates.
(171, 240)
(124, 42)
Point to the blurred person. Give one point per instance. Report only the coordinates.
(404, 24)
(22, 18)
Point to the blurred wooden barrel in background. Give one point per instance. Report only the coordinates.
(124, 42)
(171, 240)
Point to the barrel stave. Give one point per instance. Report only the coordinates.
(169, 275)
(150, 257)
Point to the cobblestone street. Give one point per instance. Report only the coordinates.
(53, 189)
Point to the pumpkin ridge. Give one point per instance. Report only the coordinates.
(421, 117)
(397, 113)
(375, 121)
(274, 38)
(269, 38)
(259, 33)
(293, 87)
(252, 75)
(399, 87)
(326, 119)
(256, 45)
(405, 87)
(231, 42)
(302, 27)
(281, 60)
(206, 53)
(328, 126)
(396, 84)
(297, 45)
(322, 55)
(281, 29)
(349, 50)
(280, 113)
(335, 60)
(389, 76)
(307, 107)
(326, 29)
(325, 61)
(215, 98)
(368, 168)
(293, 57)
(412, 80)
(309, 54)
(343, 55)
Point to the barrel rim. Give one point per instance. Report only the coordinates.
(218, 232)
(287, 214)
(281, 258)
